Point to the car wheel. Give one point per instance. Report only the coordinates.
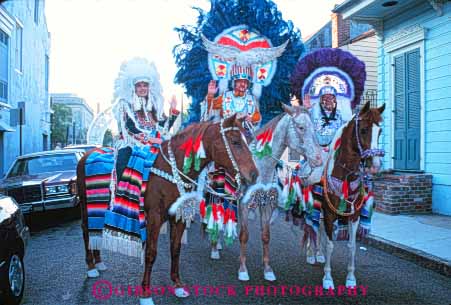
(15, 279)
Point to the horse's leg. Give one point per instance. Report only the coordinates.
(99, 264)
(350, 278)
(328, 282)
(310, 251)
(89, 256)
(176, 243)
(243, 274)
(265, 217)
(154, 223)
(320, 244)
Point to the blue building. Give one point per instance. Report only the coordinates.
(414, 80)
(24, 78)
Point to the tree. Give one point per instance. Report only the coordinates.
(108, 138)
(61, 119)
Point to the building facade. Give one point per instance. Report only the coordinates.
(414, 81)
(82, 116)
(24, 78)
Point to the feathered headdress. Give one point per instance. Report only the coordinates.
(139, 70)
(192, 57)
(335, 69)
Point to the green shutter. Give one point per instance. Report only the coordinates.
(413, 109)
(400, 113)
(407, 110)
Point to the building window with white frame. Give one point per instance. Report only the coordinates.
(19, 45)
(4, 60)
(36, 11)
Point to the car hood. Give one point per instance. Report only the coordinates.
(48, 178)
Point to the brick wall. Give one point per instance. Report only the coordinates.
(341, 30)
(409, 193)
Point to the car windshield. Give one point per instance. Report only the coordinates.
(43, 164)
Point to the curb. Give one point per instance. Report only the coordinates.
(416, 256)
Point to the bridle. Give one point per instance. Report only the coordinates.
(176, 179)
(364, 155)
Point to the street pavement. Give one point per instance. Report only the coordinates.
(56, 272)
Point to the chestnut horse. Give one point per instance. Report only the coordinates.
(359, 144)
(224, 144)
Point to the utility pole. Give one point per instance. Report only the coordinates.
(73, 132)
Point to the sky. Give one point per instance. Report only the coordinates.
(91, 38)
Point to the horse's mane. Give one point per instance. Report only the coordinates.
(193, 130)
(271, 124)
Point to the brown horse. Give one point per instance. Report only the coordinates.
(223, 143)
(359, 144)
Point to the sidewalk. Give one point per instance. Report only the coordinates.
(424, 239)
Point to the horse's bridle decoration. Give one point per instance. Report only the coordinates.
(187, 208)
(364, 154)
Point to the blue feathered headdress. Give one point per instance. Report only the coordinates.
(260, 15)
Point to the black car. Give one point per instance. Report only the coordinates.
(14, 235)
(43, 181)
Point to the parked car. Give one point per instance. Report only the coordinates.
(14, 236)
(85, 147)
(43, 181)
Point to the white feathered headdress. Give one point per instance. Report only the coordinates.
(139, 70)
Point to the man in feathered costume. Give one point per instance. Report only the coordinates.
(139, 109)
(142, 125)
(235, 60)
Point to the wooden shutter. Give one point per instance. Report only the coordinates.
(400, 113)
(407, 84)
(413, 109)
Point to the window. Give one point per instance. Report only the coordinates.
(407, 99)
(46, 73)
(19, 44)
(4, 41)
(36, 11)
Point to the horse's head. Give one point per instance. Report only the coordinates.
(228, 148)
(367, 129)
(301, 135)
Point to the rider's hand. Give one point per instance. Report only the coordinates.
(156, 140)
(212, 87)
(173, 102)
(306, 101)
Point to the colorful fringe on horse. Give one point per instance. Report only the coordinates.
(220, 214)
(125, 227)
(98, 169)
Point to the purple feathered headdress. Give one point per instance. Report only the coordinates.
(328, 57)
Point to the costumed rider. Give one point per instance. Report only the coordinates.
(239, 100)
(139, 110)
(142, 125)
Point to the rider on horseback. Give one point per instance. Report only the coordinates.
(239, 100)
(139, 109)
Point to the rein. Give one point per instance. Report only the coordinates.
(364, 154)
(177, 180)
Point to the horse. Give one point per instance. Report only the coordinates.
(292, 129)
(223, 143)
(358, 142)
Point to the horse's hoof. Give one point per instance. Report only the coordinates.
(320, 259)
(146, 301)
(351, 283)
(328, 284)
(311, 260)
(93, 273)
(270, 276)
(181, 292)
(214, 254)
(219, 246)
(243, 276)
(101, 266)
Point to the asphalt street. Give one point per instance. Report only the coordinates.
(56, 272)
